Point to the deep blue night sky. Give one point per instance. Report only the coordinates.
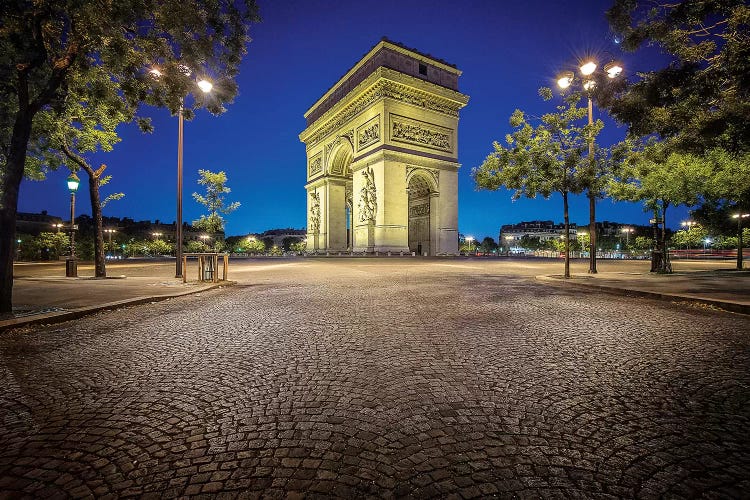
(506, 50)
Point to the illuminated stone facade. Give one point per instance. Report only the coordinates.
(382, 156)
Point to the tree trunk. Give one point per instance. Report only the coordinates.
(666, 266)
(567, 234)
(592, 233)
(10, 181)
(100, 270)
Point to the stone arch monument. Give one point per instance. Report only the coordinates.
(382, 156)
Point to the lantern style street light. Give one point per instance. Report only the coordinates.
(71, 267)
(205, 86)
(588, 83)
(739, 218)
(58, 226)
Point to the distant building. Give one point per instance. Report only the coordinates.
(543, 230)
(33, 224)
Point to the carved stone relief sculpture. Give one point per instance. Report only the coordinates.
(368, 200)
(315, 213)
(316, 165)
(368, 135)
(414, 132)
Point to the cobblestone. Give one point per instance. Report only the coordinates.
(350, 379)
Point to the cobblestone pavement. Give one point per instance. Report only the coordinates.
(353, 379)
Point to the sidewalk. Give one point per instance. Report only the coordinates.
(725, 289)
(52, 299)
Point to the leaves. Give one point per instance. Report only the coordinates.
(701, 99)
(214, 201)
(541, 159)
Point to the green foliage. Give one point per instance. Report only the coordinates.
(160, 247)
(214, 201)
(196, 246)
(642, 243)
(542, 159)
(488, 245)
(51, 50)
(299, 246)
(56, 244)
(658, 177)
(729, 180)
(701, 99)
(582, 241)
(689, 238)
(538, 160)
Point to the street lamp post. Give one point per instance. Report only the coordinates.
(627, 231)
(71, 267)
(739, 218)
(109, 232)
(205, 87)
(470, 239)
(688, 224)
(587, 69)
(58, 226)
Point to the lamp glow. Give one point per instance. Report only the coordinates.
(613, 69)
(565, 80)
(205, 86)
(588, 68)
(73, 182)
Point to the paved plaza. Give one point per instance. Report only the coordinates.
(399, 378)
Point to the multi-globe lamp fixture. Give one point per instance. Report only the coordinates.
(588, 83)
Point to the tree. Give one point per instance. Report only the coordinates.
(255, 246)
(46, 45)
(288, 241)
(214, 201)
(542, 160)
(701, 99)
(690, 238)
(660, 178)
(488, 245)
(56, 244)
(86, 122)
(583, 240)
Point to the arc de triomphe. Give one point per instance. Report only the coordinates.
(382, 156)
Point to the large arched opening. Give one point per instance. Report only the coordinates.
(421, 193)
(340, 188)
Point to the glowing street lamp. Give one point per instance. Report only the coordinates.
(470, 239)
(205, 86)
(627, 231)
(58, 226)
(739, 218)
(71, 267)
(588, 83)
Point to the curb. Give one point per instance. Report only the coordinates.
(735, 307)
(62, 316)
